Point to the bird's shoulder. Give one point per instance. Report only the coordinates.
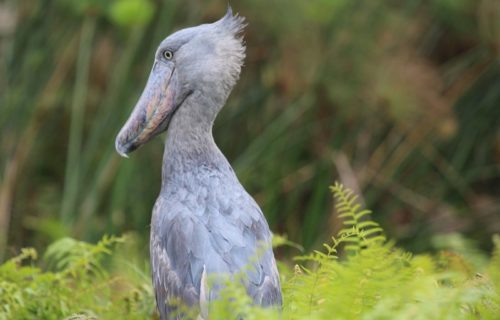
(206, 190)
(226, 219)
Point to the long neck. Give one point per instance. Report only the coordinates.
(190, 143)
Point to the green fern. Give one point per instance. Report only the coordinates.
(376, 280)
(78, 285)
(79, 258)
(359, 230)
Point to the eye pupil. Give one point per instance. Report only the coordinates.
(168, 54)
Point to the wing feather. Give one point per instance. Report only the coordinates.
(228, 237)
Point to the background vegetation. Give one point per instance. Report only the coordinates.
(399, 100)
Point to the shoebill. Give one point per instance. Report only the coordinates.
(204, 223)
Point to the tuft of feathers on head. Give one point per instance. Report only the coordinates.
(232, 23)
(231, 47)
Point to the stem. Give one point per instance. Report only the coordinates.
(99, 179)
(72, 174)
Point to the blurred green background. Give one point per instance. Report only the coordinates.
(399, 100)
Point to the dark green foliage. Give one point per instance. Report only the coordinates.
(373, 280)
(397, 99)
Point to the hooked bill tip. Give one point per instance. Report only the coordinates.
(120, 149)
(123, 154)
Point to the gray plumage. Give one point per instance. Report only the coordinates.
(204, 223)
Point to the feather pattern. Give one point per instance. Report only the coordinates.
(205, 221)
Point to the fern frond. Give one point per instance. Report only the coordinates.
(359, 231)
(79, 258)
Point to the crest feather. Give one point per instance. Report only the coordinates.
(233, 23)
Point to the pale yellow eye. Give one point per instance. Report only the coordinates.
(167, 54)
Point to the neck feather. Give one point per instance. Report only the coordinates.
(190, 143)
